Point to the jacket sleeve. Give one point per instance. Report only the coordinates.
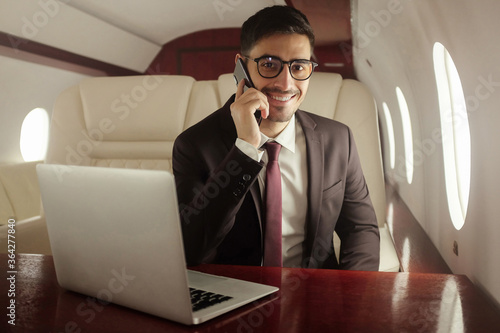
(210, 193)
(357, 225)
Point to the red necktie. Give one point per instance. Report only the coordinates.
(272, 233)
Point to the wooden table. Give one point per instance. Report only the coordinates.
(309, 300)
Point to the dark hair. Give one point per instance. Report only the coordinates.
(274, 20)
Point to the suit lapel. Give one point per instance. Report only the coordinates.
(315, 168)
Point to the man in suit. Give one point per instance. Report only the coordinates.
(220, 166)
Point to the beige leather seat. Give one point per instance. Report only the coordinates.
(132, 122)
(20, 204)
(19, 193)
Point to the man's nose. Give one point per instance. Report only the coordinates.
(284, 80)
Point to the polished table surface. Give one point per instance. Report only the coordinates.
(308, 301)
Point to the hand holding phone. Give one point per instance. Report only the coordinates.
(240, 73)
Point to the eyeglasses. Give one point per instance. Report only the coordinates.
(270, 67)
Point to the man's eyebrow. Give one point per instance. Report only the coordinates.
(273, 56)
(268, 56)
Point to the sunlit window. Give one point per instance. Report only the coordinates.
(455, 134)
(390, 135)
(34, 135)
(407, 134)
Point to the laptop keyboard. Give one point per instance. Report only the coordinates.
(202, 299)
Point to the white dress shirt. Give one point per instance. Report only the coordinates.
(293, 166)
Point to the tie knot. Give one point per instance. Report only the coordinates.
(273, 150)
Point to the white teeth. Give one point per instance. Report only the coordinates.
(282, 99)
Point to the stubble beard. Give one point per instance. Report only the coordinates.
(280, 115)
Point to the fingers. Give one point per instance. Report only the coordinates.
(243, 112)
(252, 99)
(240, 89)
(254, 103)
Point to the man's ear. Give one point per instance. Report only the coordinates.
(237, 57)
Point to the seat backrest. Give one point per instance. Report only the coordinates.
(119, 121)
(133, 121)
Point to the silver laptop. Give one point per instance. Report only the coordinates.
(116, 235)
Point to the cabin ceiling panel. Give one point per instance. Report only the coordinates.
(161, 21)
(56, 24)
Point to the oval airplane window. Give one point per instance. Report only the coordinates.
(390, 135)
(407, 134)
(34, 135)
(455, 134)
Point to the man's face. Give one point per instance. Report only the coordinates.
(284, 93)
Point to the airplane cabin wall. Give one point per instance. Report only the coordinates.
(393, 46)
(25, 86)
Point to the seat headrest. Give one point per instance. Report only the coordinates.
(136, 108)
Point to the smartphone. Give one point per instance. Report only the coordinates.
(240, 73)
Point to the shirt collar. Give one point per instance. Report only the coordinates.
(286, 138)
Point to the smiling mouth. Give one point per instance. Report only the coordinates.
(280, 95)
(282, 98)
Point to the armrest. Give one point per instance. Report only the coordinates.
(31, 236)
(389, 261)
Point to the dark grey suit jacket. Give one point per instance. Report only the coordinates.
(220, 204)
